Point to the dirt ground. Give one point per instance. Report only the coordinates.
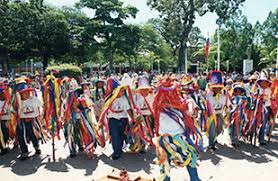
(246, 163)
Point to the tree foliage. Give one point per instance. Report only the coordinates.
(178, 18)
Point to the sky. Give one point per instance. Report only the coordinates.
(255, 10)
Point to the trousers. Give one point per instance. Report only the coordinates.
(117, 132)
(25, 131)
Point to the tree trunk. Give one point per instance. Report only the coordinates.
(181, 60)
(130, 63)
(3, 68)
(45, 62)
(7, 65)
(110, 57)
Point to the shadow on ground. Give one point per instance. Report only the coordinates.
(132, 162)
(246, 151)
(34, 162)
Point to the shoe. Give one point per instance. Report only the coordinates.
(38, 151)
(80, 149)
(115, 157)
(142, 151)
(23, 156)
(262, 144)
(212, 147)
(4, 151)
(72, 155)
(233, 144)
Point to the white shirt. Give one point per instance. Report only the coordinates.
(142, 105)
(191, 105)
(217, 106)
(6, 112)
(267, 95)
(120, 105)
(30, 108)
(169, 126)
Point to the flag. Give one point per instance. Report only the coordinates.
(207, 48)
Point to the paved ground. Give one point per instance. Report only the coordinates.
(247, 163)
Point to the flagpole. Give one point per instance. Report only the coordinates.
(218, 49)
(207, 59)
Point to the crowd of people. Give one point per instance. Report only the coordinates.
(172, 113)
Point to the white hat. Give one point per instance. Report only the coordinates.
(126, 80)
(143, 83)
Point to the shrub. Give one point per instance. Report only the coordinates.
(65, 70)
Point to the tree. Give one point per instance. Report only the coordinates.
(107, 23)
(32, 30)
(81, 46)
(178, 18)
(154, 50)
(268, 39)
(128, 42)
(237, 41)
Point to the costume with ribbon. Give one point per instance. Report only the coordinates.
(80, 123)
(8, 123)
(217, 106)
(238, 115)
(29, 122)
(179, 140)
(262, 116)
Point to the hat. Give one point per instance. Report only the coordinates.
(99, 80)
(186, 80)
(216, 79)
(238, 86)
(85, 82)
(229, 81)
(127, 80)
(112, 84)
(22, 85)
(143, 83)
(253, 77)
(262, 78)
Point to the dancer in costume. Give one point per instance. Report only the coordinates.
(218, 104)
(144, 98)
(263, 114)
(6, 129)
(29, 125)
(239, 112)
(175, 130)
(194, 99)
(80, 124)
(117, 109)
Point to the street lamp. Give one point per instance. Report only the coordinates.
(186, 56)
(32, 66)
(158, 61)
(26, 65)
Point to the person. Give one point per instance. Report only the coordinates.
(264, 113)
(5, 117)
(80, 123)
(98, 97)
(116, 109)
(29, 124)
(144, 98)
(218, 104)
(175, 130)
(238, 113)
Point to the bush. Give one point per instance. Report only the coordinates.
(65, 70)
